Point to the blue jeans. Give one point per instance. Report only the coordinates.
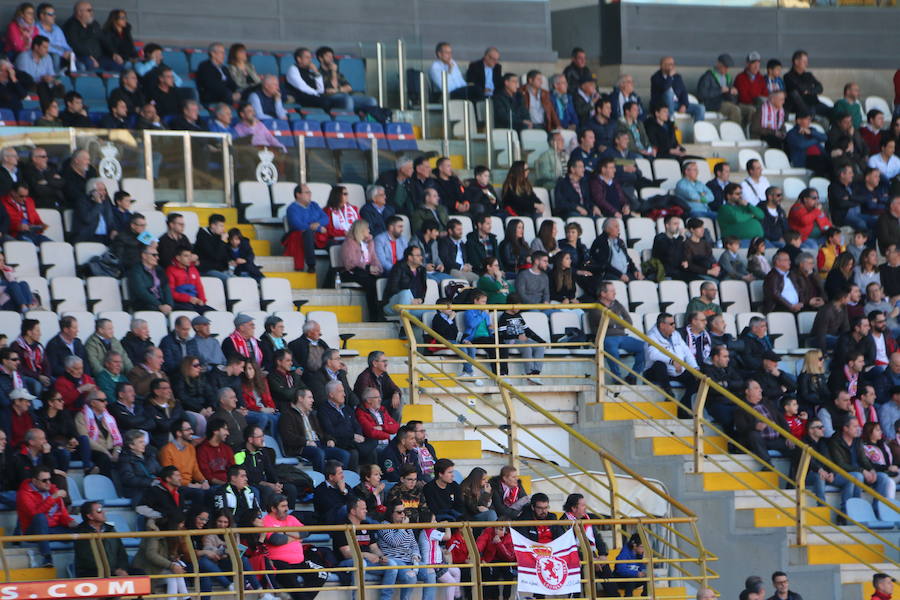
(488, 515)
(613, 343)
(697, 111)
(19, 295)
(769, 244)
(208, 565)
(30, 236)
(859, 220)
(810, 244)
(388, 577)
(8, 499)
(317, 455)
(268, 421)
(223, 275)
(816, 485)
(700, 210)
(438, 276)
(40, 526)
(401, 297)
(427, 576)
(353, 102)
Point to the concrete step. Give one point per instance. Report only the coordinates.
(346, 314)
(753, 499)
(391, 347)
(858, 573)
(368, 331)
(298, 279)
(639, 410)
(671, 446)
(659, 427)
(329, 296)
(773, 517)
(261, 248)
(842, 554)
(28, 574)
(457, 449)
(725, 463)
(637, 393)
(269, 264)
(720, 482)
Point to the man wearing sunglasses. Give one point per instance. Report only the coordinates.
(93, 520)
(42, 511)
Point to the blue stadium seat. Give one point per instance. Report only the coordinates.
(31, 102)
(365, 131)
(280, 458)
(74, 492)
(286, 62)
(312, 131)
(92, 88)
(281, 129)
(96, 116)
(346, 117)
(28, 116)
(400, 137)
(339, 135)
(177, 60)
(121, 525)
(196, 57)
(7, 117)
(354, 69)
(457, 476)
(266, 64)
(352, 478)
(861, 511)
(315, 115)
(100, 487)
(316, 477)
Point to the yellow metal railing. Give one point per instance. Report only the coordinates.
(705, 434)
(432, 376)
(362, 572)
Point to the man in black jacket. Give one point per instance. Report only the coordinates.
(803, 88)
(333, 369)
(93, 520)
(817, 477)
(609, 259)
(425, 451)
(481, 243)
(211, 249)
(539, 510)
(452, 253)
(129, 415)
(756, 343)
(189, 119)
(163, 497)
(261, 474)
(127, 244)
(407, 282)
(509, 105)
(309, 350)
(846, 450)
(775, 383)
(754, 434)
(721, 371)
(44, 181)
(668, 248)
(87, 41)
(331, 496)
(237, 497)
(339, 423)
(66, 343)
(477, 73)
(214, 82)
(400, 451)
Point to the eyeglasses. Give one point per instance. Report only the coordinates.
(196, 365)
(187, 430)
(817, 427)
(50, 14)
(152, 253)
(400, 512)
(47, 480)
(99, 510)
(17, 359)
(38, 156)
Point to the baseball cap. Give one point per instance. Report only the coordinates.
(726, 60)
(753, 56)
(769, 355)
(21, 393)
(242, 319)
(201, 320)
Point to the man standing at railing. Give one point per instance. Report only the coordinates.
(94, 521)
(617, 337)
(847, 452)
(664, 370)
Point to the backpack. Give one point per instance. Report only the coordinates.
(377, 113)
(106, 264)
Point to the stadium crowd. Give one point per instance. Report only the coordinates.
(180, 428)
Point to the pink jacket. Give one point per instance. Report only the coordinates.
(352, 256)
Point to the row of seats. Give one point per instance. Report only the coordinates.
(672, 296)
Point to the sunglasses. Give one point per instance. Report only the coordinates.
(47, 480)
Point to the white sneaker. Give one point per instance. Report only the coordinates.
(268, 596)
(478, 382)
(536, 380)
(230, 587)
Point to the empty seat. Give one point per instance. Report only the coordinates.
(400, 137)
(793, 186)
(734, 297)
(215, 293)
(53, 219)
(743, 319)
(243, 294)
(706, 133)
(534, 143)
(142, 193)
(121, 321)
(339, 135)
(103, 294)
(276, 295)
(878, 103)
(506, 144)
(729, 131)
(254, 198)
(67, 294)
(366, 132)
(319, 192)
(860, 511)
(805, 320)
(280, 458)
(497, 228)
(156, 323)
(330, 332)
(565, 319)
(10, 323)
(356, 195)
(641, 232)
(673, 296)
(282, 196)
(100, 487)
(57, 260)
(156, 223)
(539, 323)
(643, 296)
(293, 322)
(543, 195)
(23, 256)
(820, 184)
(668, 170)
(85, 322)
(777, 160)
(221, 323)
(783, 330)
(310, 131)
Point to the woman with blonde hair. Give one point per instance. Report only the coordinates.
(812, 384)
(361, 264)
(518, 196)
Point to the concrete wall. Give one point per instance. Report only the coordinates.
(520, 28)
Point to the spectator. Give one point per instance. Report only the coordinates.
(886, 161)
(188, 118)
(627, 174)
(257, 398)
(286, 552)
(846, 450)
(632, 550)
(214, 82)
(533, 284)
(538, 510)
(33, 361)
(484, 75)
(661, 133)
(241, 254)
(185, 284)
(632, 123)
(178, 345)
(848, 376)
(774, 382)
(717, 92)
(457, 87)
(808, 219)
(303, 436)
(662, 369)
(407, 282)
(229, 412)
(883, 340)
(64, 344)
(309, 349)
(260, 466)
(537, 102)
(495, 545)
(128, 90)
(332, 495)
(376, 211)
(25, 223)
(577, 69)
(97, 217)
(93, 520)
(510, 108)
(889, 411)
(341, 214)
(668, 247)
(425, 454)
(608, 256)
(585, 98)
(38, 64)
(337, 88)
(845, 204)
(783, 287)
(751, 87)
(602, 124)
(572, 194)
(15, 295)
(668, 89)
(12, 92)
(41, 510)
(850, 104)
(831, 248)
(563, 104)
(164, 95)
(376, 376)
(95, 423)
(586, 151)
(512, 329)
(442, 494)
(20, 418)
(723, 372)
(47, 27)
(306, 221)
(360, 261)
(397, 185)
(805, 145)
(888, 232)
(237, 497)
(208, 348)
(545, 240)
(607, 194)
(164, 497)
(840, 275)
(390, 244)
(242, 341)
(493, 283)
(88, 42)
(214, 456)
(152, 64)
(162, 411)
(100, 344)
(768, 123)
(250, 126)
(758, 436)
(873, 131)
(180, 453)
(803, 88)
(242, 71)
(698, 252)
(706, 301)
(693, 191)
(451, 253)
(883, 583)
(193, 391)
(137, 341)
(754, 186)
(130, 242)
(338, 422)
(696, 337)
(419, 183)
(623, 93)
(616, 335)
(449, 187)
(266, 100)
(44, 180)
(148, 285)
(284, 381)
(481, 244)
(119, 45)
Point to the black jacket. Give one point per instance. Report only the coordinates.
(162, 422)
(729, 378)
(812, 390)
(136, 473)
(750, 356)
(211, 250)
(566, 199)
(509, 110)
(802, 91)
(45, 187)
(745, 421)
(87, 218)
(775, 227)
(601, 255)
(503, 511)
(284, 387)
(391, 460)
(194, 394)
(127, 247)
(214, 84)
(300, 350)
(319, 379)
(513, 259)
(340, 426)
(404, 278)
(135, 347)
(670, 251)
(57, 352)
(845, 456)
(328, 500)
(662, 137)
(447, 253)
(123, 44)
(476, 76)
(74, 185)
(531, 531)
(157, 499)
(85, 563)
(476, 252)
(134, 100)
(86, 41)
(126, 419)
(772, 385)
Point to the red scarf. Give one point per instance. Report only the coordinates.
(852, 380)
(510, 494)
(34, 357)
(243, 348)
(173, 491)
(864, 415)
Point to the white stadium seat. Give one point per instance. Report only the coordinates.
(221, 323)
(243, 294)
(57, 259)
(276, 295)
(85, 251)
(254, 197)
(215, 292)
(49, 323)
(85, 322)
(282, 196)
(330, 332)
(293, 322)
(105, 290)
(68, 294)
(23, 256)
(53, 219)
(10, 324)
(121, 321)
(673, 296)
(142, 193)
(643, 295)
(156, 321)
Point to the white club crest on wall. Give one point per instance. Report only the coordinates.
(266, 172)
(109, 166)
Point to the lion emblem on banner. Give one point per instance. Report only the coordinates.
(552, 571)
(266, 172)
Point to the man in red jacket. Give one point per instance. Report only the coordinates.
(24, 221)
(41, 510)
(751, 87)
(185, 283)
(376, 422)
(74, 384)
(808, 219)
(214, 455)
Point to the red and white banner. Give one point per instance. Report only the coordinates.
(552, 569)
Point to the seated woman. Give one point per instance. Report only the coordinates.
(241, 252)
(518, 197)
(494, 283)
(545, 241)
(119, 48)
(562, 280)
(242, 71)
(514, 253)
(698, 252)
(258, 400)
(194, 393)
(341, 214)
(361, 263)
(477, 496)
(371, 489)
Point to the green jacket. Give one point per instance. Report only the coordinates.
(842, 107)
(698, 305)
(492, 287)
(85, 565)
(743, 222)
(96, 351)
(139, 284)
(548, 168)
(422, 214)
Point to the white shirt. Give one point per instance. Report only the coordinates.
(675, 344)
(889, 168)
(789, 293)
(881, 357)
(293, 78)
(755, 193)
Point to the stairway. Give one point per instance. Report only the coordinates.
(740, 521)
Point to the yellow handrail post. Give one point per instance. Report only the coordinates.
(512, 429)
(702, 555)
(800, 487)
(4, 561)
(413, 359)
(650, 590)
(496, 342)
(195, 568)
(702, 394)
(588, 554)
(475, 559)
(601, 357)
(237, 565)
(350, 532)
(614, 511)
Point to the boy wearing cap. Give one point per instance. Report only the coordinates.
(716, 90)
(751, 87)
